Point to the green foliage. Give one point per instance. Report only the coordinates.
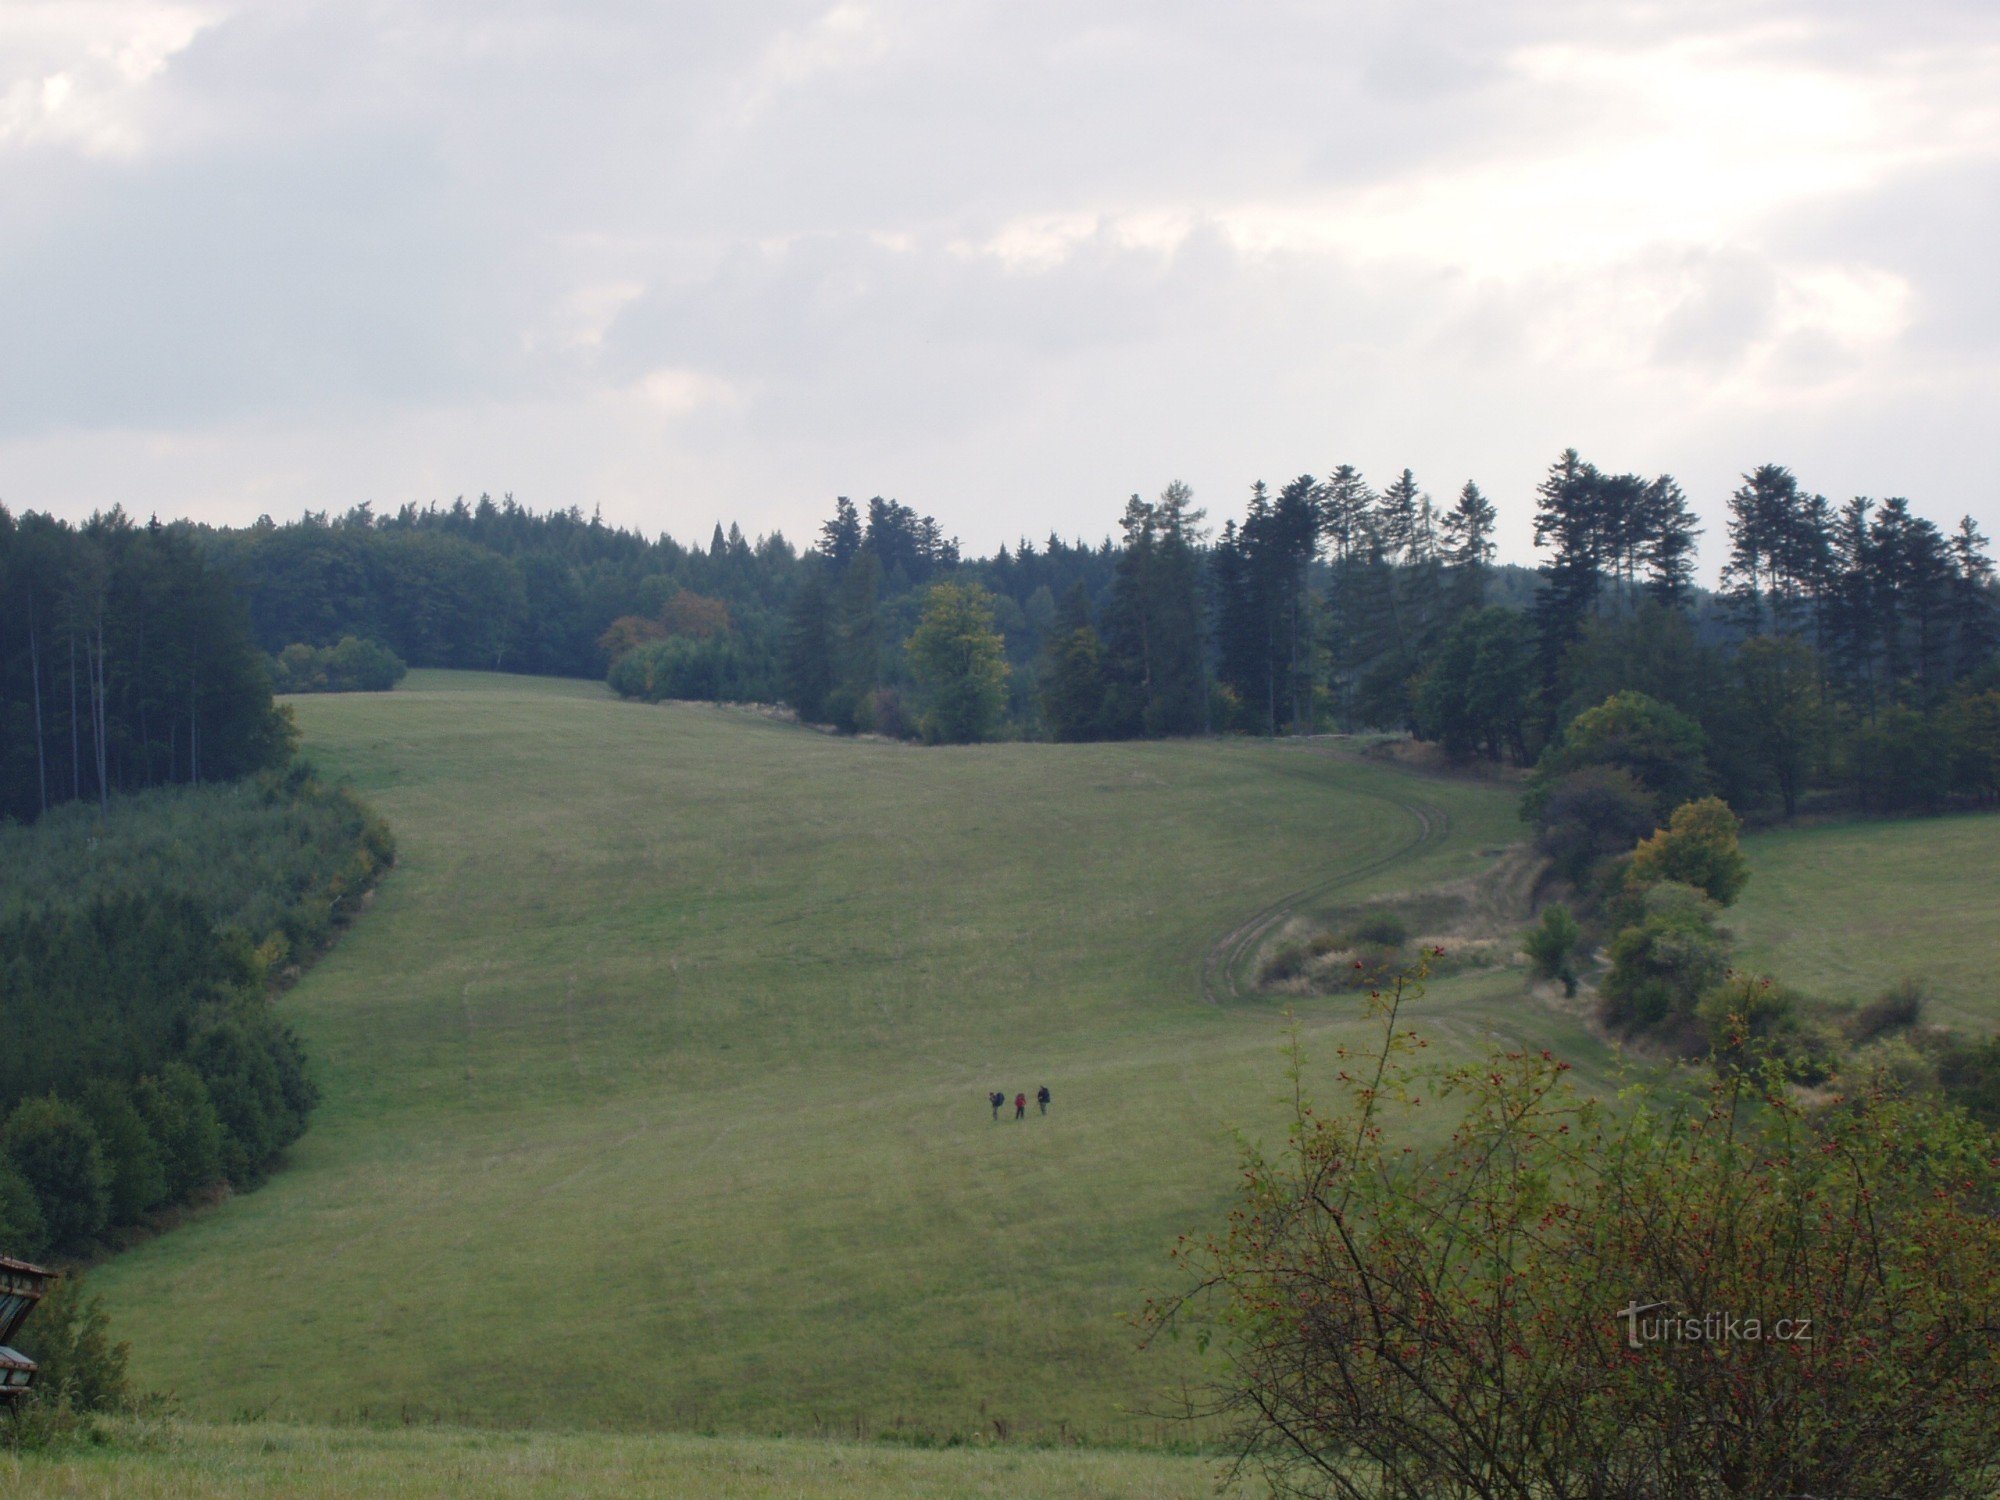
(1750, 1020)
(55, 1151)
(24, 1233)
(350, 666)
(1665, 962)
(1551, 946)
(959, 664)
(1398, 1313)
(1969, 1074)
(1382, 929)
(180, 1116)
(125, 662)
(139, 951)
(1900, 761)
(1898, 1008)
(1589, 815)
(138, 1176)
(1659, 747)
(1072, 674)
(69, 1336)
(1780, 712)
(285, 858)
(1699, 848)
(715, 668)
(1480, 688)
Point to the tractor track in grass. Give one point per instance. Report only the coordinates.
(1222, 964)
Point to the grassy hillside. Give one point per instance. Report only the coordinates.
(655, 1081)
(1847, 909)
(175, 1461)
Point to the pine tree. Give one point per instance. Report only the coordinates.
(1567, 520)
(1467, 548)
(809, 666)
(1072, 672)
(1668, 550)
(840, 538)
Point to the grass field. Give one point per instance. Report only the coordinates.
(183, 1461)
(1845, 910)
(655, 1078)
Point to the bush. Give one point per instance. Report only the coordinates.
(69, 1336)
(1551, 944)
(1589, 815)
(1969, 1074)
(1698, 847)
(1399, 1319)
(1380, 929)
(1662, 965)
(710, 669)
(353, 666)
(53, 1148)
(1661, 748)
(1896, 1009)
(1288, 963)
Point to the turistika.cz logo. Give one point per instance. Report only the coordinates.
(1659, 1323)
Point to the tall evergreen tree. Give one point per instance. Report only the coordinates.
(1668, 550)
(1072, 672)
(809, 649)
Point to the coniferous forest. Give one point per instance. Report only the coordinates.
(1849, 650)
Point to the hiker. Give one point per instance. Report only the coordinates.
(1042, 1097)
(996, 1099)
(1020, 1106)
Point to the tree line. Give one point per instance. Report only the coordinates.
(126, 662)
(1849, 648)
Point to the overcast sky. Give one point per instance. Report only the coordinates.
(1006, 261)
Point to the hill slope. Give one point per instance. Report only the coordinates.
(1845, 910)
(655, 1081)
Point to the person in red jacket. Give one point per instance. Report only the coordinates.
(1020, 1106)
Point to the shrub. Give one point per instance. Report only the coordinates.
(1400, 1319)
(1897, 1008)
(1589, 815)
(1661, 748)
(1379, 930)
(53, 1148)
(69, 1336)
(1698, 847)
(352, 666)
(1551, 944)
(1288, 963)
(1662, 965)
(1969, 1074)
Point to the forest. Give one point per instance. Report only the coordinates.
(126, 662)
(1848, 652)
(138, 948)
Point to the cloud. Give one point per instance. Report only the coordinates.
(1009, 260)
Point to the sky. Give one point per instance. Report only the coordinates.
(1008, 261)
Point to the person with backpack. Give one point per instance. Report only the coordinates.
(1042, 1097)
(996, 1099)
(1020, 1106)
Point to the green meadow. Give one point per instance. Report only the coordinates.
(192, 1461)
(1846, 910)
(655, 1078)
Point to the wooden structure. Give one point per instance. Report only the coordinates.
(21, 1287)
